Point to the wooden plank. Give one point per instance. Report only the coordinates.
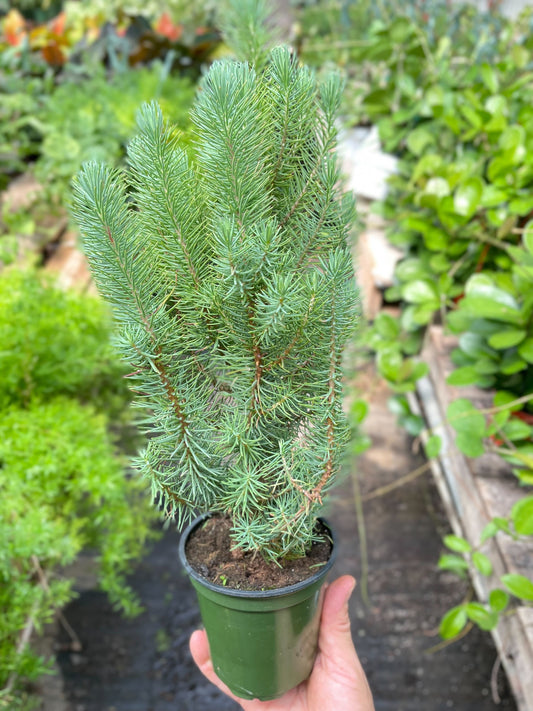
(474, 491)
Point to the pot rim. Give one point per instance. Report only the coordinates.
(255, 594)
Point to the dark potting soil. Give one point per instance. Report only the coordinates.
(212, 553)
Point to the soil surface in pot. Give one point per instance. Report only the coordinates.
(212, 553)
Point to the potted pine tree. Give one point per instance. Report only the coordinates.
(232, 288)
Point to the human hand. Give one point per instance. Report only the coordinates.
(337, 680)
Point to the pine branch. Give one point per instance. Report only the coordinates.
(232, 287)
(245, 29)
(168, 196)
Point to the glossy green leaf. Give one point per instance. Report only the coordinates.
(486, 366)
(419, 292)
(512, 137)
(516, 430)
(464, 418)
(490, 530)
(467, 197)
(489, 305)
(438, 187)
(525, 476)
(512, 363)
(453, 622)
(436, 239)
(463, 376)
(493, 196)
(475, 345)
(456, 563)
(507, 339)
(522, 516)
(472, 116)
(419, 139)
(398, 405)
(411, 269)
(528, 237)
(503, 398)
(389, 363)
(490, 78)
(457, 544)
(387, 326)
(433, 446)
(414, 424)
(358, 410)
(484, 618)
(498, 600)
(423, 313)
(518, 585)
(485, 285)
(525, 350)
(521, 206)
(497, 421)
(469, 445)
(496, 105)
(482, 563)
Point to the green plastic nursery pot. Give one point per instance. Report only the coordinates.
(263, 643)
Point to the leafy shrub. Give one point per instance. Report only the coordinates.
(61, 489)
(54, 342)
(24, 87)
(62, 486)
(93, 119)
(451, 92)
(183, 11)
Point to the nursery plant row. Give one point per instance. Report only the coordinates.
(70, 86)
(450, 91)
(451, 94)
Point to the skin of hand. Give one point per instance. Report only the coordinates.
(337, 680)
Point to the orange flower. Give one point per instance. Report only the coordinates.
(167, 28)
(57, 25)
(14, 27)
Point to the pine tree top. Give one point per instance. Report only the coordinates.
(232, 287)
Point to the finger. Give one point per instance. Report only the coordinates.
(337, 654)
(335, 638)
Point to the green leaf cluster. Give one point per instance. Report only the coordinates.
(93, 119)
(55, 342)
(62, 486)
(232, 288)
(24, 94)
(465, 558)
(61, 489)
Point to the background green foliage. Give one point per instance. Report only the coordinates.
(25, 84)
(93, 119)
(450, 89)
(62, 486)
(182, 11)
(55, 342)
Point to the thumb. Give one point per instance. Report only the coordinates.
(335, 638)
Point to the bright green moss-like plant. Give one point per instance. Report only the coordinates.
(55, 342)
(62, 486)
(232, 287)
(62, 489)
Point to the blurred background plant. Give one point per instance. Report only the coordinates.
(450, 90)
(72, 76)
(63, 483)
